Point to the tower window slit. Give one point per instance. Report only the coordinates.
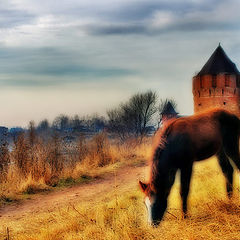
(238, 81)
(201, 82)
(227, 80)
(214, 81)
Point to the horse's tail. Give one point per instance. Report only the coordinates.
(237, 122)
(230, 121)
(238, 127)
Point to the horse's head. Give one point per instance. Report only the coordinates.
(155, 206)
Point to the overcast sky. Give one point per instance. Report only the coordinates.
(82, 57)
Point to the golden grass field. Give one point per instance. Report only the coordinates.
(121, 214)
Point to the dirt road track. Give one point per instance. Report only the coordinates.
(125, 177)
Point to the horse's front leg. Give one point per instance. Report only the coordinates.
(186, 173)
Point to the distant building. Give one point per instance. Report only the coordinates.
(168, 112)
(3, 134)
(15, 131)
(3, 130)
(217, 84)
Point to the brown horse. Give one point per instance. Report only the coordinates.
(179, 144)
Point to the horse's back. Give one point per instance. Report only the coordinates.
(202, 135)
(211, 124)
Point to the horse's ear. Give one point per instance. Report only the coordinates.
(143, 186)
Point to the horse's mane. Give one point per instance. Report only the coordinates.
(161, 134)
(158, 145)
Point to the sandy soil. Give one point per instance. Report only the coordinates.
(126, 177)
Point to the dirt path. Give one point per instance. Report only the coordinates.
(126, 177)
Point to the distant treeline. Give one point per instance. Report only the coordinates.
(136, 118)
(65, 123)
(61, 124)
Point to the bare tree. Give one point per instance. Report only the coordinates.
(21, 154)
(55, 157)
(61, 122)
(32, 135)
(94, 122)
(43, 125)
(118, 122)
(133, 118)
(76, 123)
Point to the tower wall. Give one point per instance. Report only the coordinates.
(221, 90)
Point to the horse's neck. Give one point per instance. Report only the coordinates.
(156, 173)
(160, 168)
(162, 181)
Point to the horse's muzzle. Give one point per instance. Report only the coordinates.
(155, 223)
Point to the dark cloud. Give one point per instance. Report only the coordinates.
(181, 26)
(16, 81)
(204, 26)
(187, 16)
(65, 69)
(115, 29)
(16, 53)
(58, 75)
(127, 18)
(133, 17)
(142, 10)
(49, 66)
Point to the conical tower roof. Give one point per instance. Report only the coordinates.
(168, 109)
(219, 62)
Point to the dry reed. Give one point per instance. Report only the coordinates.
(37, 164)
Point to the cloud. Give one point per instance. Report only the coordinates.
(49, 66)
(152, 18)
(115, 46)
(11, 17)
(121, 18)
(112, 29)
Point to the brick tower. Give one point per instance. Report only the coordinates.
(217, 84)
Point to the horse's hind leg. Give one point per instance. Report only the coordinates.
(227, 170)
(231, 147)
(186, 174)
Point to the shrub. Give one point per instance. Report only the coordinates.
(4, 159)
(99, 150)
(21, 155)
(54, 157)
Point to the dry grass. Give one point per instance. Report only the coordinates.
(120, 214)
(37, 166)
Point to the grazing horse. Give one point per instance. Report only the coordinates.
(181, 142)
